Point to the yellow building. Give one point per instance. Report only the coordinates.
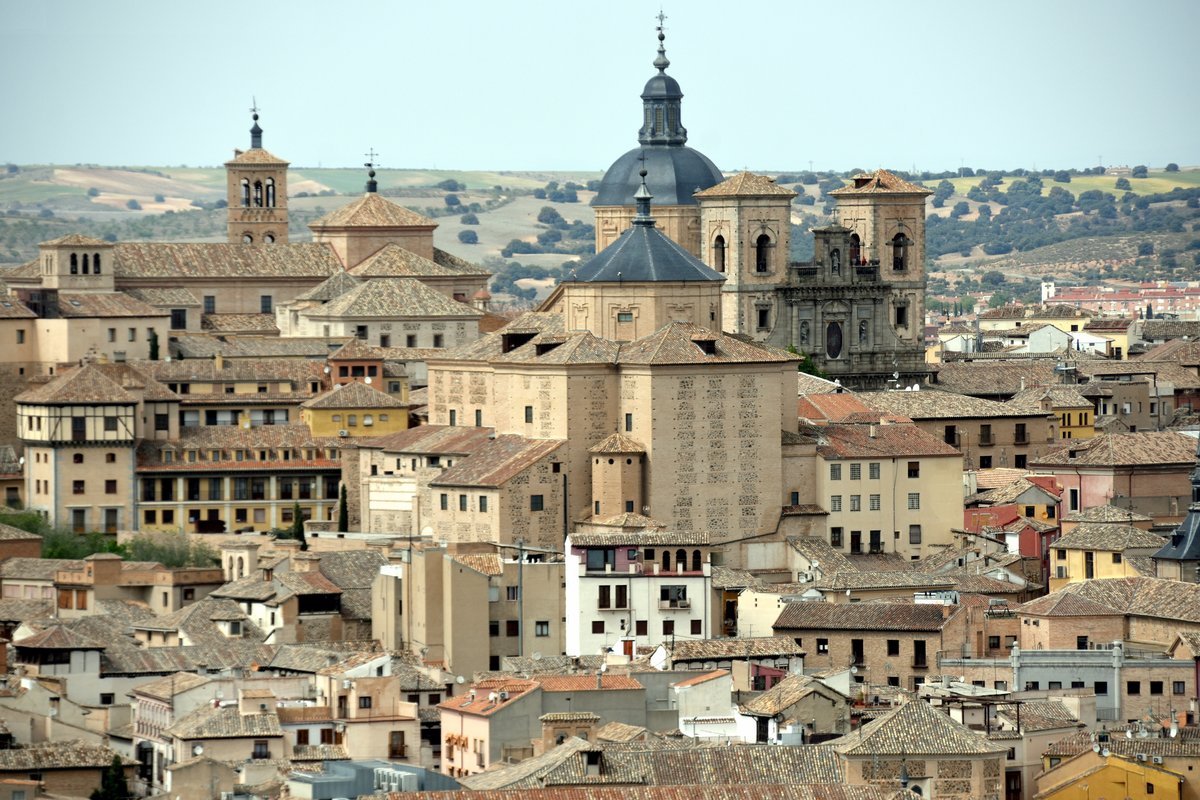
(1116, 330)
(356, 409)
(1075, 413)
(1102, 550)
(1093, 774)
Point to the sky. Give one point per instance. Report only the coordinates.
(529, 85)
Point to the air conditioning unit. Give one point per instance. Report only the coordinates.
(1157, 759)
(1141, 757)
(347, 683)
(685, 603)
(343, 433)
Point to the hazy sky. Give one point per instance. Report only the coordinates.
(496, 84)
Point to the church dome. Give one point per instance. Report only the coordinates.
(678, 170)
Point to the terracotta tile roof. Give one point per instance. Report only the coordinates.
(10, 534)
(226, 722)
(104, 305)
(393, 298)
(1059, 396)
(780, 697)
(832, 407)
(1038, 715)
(199, 260)
(879, 182)
(639, 537)
(351, 569)
(59, 637)
(483, 563)
(1166, 373)
(676, 343)
(239, 323)
(192, 347)
(572, 348)
(746, 184)
(932, 404)
(814, 549)
(491, 346)
(460, 265)
(37, 569)
(16, 609)
(619, 732)
(353, 395)
(995, 478)
(696, 680)
(1122, 449)
(335, 285)
(915, 729)
(1109, 324)
(13, 308)
(393, 261)
(167, 687)
(1009, 493)
(57, 755)
(75, 240)
(727, 578)
(164, 296)
(860, 617)
(319, 752)
(227, 439)
(879, 562)
(372, 210)
(296, 372)
(434, 440)
(892, 579)
(255, 155)
(587, 683)
(497, 462)
(1146, 597)
(750, 647)
(1109, 536)
(488, 698)
(811, 384)
(995, 377)
(891, 440)
(1037, 311)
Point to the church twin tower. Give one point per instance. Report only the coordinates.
(857, 307)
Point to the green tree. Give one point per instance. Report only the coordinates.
(468, 237)
(1172, 167)
(1145, 249)
(992, 278)
(1140, 171)
(807, 365)
(469, 219)
(112, 782)
(550, 216)
(171, 550)
(452, 201)
(133, 205)
(960, 209)
(297, 530)
(1123, 183)
(93, 192)
(158, 198)
(1062, 176)
(343, 511)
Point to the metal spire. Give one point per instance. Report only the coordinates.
(371, 155)
(661, 62)
(642, 198)
(255, 132)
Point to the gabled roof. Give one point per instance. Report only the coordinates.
(932, 404)
(255, 155)
(436, 440)
(891, 440)
(915, 729)
(1145, 597)
(167, 687)
(335, 285)
(393, 261)
(817, 549)
(393, 298)
(860, 616)
(88, 384)
(226, 722)
(355, 394)
(85, 305)
(59, 637)
(372, 210)
(879, 182)
(617, 443)
(201, 260)
(1107, 513)
(746, 184)
(1144, 448)
(497, 462)
(783, 695)
(676, 343)
(1109, 536)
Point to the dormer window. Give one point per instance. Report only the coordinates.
(707, 346)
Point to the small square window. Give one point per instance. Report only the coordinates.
(597, 626)
(536, 502)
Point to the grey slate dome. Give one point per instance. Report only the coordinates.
(678, 170)
(643, 254)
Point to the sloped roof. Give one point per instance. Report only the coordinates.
(85, 305)
(497, 461)
(746, 184)
(175, 296)
(1109, 536)
(355, 394)
(12, 308)
(915, 729)
(995, 377)
(335, 285)
(434, 440)
(88, 384)
(617, 443)
(72, 754)
(199, 260)
(263, 324)
(860, 616)
(255, 155)
(893, 440)
(643, 254)
(817, 549)
(572, 348)
(166, 687)
(226, 722)
(676, 343)
(1059, 396)
(372, 210)
(394, 261)
(932, 404)
(749, 647)
(782, 696)
(879, 182)
(1106, 513)
(59, 637)
(1148, 597)
(393, 298)
(1122, 449)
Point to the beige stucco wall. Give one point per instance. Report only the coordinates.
(681, 223)
(596, 307)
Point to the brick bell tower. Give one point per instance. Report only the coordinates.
(256, 190)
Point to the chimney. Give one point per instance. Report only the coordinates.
(871, 431)
(599, 679)
(219, 361)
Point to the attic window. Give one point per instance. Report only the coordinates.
(541, 348)
(511, 341)
(707, 346)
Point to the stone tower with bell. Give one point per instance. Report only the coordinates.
(256, 190)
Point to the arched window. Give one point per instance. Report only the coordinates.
(855, 250)
(245, 192)
(241, 568)
(696, 561)
(666, 560)
(96, 263)
(85, 263)
(269, 238)
(74, 264)
(899, 254)
(258, 194)
(270, 192)
(762, 253)
(681, 558)
(247, 239)
(835, 261)
(719, 254)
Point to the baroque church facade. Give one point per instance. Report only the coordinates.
(857, 307)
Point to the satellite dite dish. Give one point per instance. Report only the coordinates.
(854, 670)
(460, 680)
(197, 749)
(367, 381)
(1105, 752)
(1095, 748)
(537, 655)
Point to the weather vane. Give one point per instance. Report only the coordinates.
(661, 18)
(253, 104)
(371, 156)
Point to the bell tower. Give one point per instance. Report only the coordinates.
(256, 190)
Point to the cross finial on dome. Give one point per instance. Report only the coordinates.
(642, 198)
(661, 62)
(255, 132)
(371, 164)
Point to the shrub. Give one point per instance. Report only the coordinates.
(133, 205)
(468, 237)
(469, 219)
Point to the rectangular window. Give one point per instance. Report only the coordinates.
(835, 502)
(993, 643)
(668, 627)
(512, 628)
(914, 534)
(874, 502)
(478, 416)
(462, 502)
(541, 628)
(697, 627)
(265, 304)
(110, 486)
(914, 469)
(950, 435)
(823, 646)
(856, 502)
(628, 422)
(483, 504)
(835, 472)
(835, 537)
(641, 628)
(856, 472)
(261, 750)
(604, 596)
(873, 470)
(1178, 687)
(439, 340)
(624, 316)
(112, 334)
(764, 318)
(622, 596)
(364, 702)
(1156, 687)
(901, 316)
(914, 501)
(110, 424)
(536, 502)
(494, 627)
(178, 319)
(78, 487)
(453, 418)
(444, 500)
(893, 647)
(985, 462)
(20, 336)
(210, 304)
(1101, 688)
(1133, 687)
(1116, 558)
(597, 626)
